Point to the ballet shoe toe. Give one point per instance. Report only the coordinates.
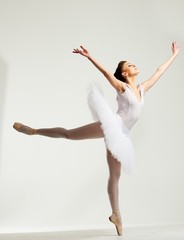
(23, 129)
(117, 222)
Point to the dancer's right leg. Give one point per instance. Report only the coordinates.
(89, 131)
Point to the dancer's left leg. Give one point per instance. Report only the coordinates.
(113, 191)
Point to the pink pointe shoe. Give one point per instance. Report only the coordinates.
(116, 220)
(23, 129)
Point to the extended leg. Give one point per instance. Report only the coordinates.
(115, 172)
(88, 131)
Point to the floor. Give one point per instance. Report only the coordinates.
(139, 233)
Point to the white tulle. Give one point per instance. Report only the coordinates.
(114, 129)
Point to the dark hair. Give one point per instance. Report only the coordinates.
(119, 70)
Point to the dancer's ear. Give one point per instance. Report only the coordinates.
(124, 74)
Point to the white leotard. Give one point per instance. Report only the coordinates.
(129, 107)
(116, 126)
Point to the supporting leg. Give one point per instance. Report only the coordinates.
(113, 191)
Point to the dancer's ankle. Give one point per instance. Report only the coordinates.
(116, 213)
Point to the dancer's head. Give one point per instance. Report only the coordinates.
(124, 70)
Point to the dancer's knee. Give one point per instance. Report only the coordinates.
(71, 134)
(67, 134)
(60, 133)
(115, 176)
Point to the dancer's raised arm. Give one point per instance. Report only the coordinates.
(161, 69)
(118, 85)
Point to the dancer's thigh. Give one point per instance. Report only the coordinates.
(89, 131)
(114, 166)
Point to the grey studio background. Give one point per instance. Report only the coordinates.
(54, 184)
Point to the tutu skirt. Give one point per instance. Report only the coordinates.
(114, 129)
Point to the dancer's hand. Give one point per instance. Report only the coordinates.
(175, 48)
(83, 51)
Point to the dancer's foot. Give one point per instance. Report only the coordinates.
(115, 218)
(24, 129)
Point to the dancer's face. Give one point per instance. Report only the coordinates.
(129, 69)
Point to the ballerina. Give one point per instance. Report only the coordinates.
(113, 127)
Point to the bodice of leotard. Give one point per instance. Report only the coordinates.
(129, 107)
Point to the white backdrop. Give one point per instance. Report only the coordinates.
(54, 184)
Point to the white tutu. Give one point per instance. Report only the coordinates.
(114, 129)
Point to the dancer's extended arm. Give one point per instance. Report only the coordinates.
(161, 69)
(118, 85)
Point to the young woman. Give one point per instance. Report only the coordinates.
(112, 127)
